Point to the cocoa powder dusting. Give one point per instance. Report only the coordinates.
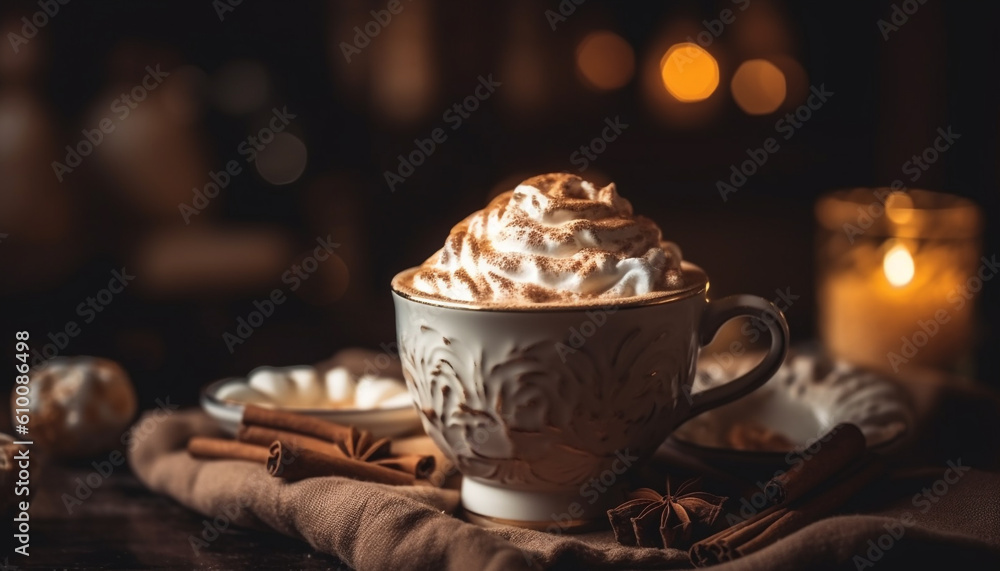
(537, 294)
(566, 228)
(505, 285)
(465, 278)
(474, 248)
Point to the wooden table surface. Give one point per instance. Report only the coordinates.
(125, 526)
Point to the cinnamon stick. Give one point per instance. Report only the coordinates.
(839, 448)
(221, 449)
(416, 464)
(362, 449)
(265, 436)
(287, 462)
(300, 423)
(777, 522)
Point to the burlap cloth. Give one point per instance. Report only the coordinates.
(375, 527)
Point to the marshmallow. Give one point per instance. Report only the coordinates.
(340, 385)
(239, 391)
(309, 390)
(373, 391)
(303, 387)
(273, 382)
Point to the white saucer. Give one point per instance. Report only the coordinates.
(382, 422)
(808, 396)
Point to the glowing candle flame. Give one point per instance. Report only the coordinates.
(898, 265)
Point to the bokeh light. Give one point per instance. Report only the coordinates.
(796, 79)
(604, 60)
(183, 95)
(328, 282)
(899, 207)
(283, 160)
(241, 86)
(204, 258)
(758, 87)
(689, 72)
(403, 71)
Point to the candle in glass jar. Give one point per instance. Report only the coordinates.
(896, 307)
(898, 295)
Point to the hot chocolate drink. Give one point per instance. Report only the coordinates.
(554, 332)
(555, 239)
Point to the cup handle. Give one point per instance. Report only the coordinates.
(718, 313)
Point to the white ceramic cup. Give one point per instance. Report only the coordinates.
(543, 409)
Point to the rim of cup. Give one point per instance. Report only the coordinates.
(695, 282)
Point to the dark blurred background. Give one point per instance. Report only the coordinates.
(898, 72)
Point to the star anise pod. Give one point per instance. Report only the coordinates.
(648, 519)
(360, 445)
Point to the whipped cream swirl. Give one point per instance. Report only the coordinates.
(554, 238)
